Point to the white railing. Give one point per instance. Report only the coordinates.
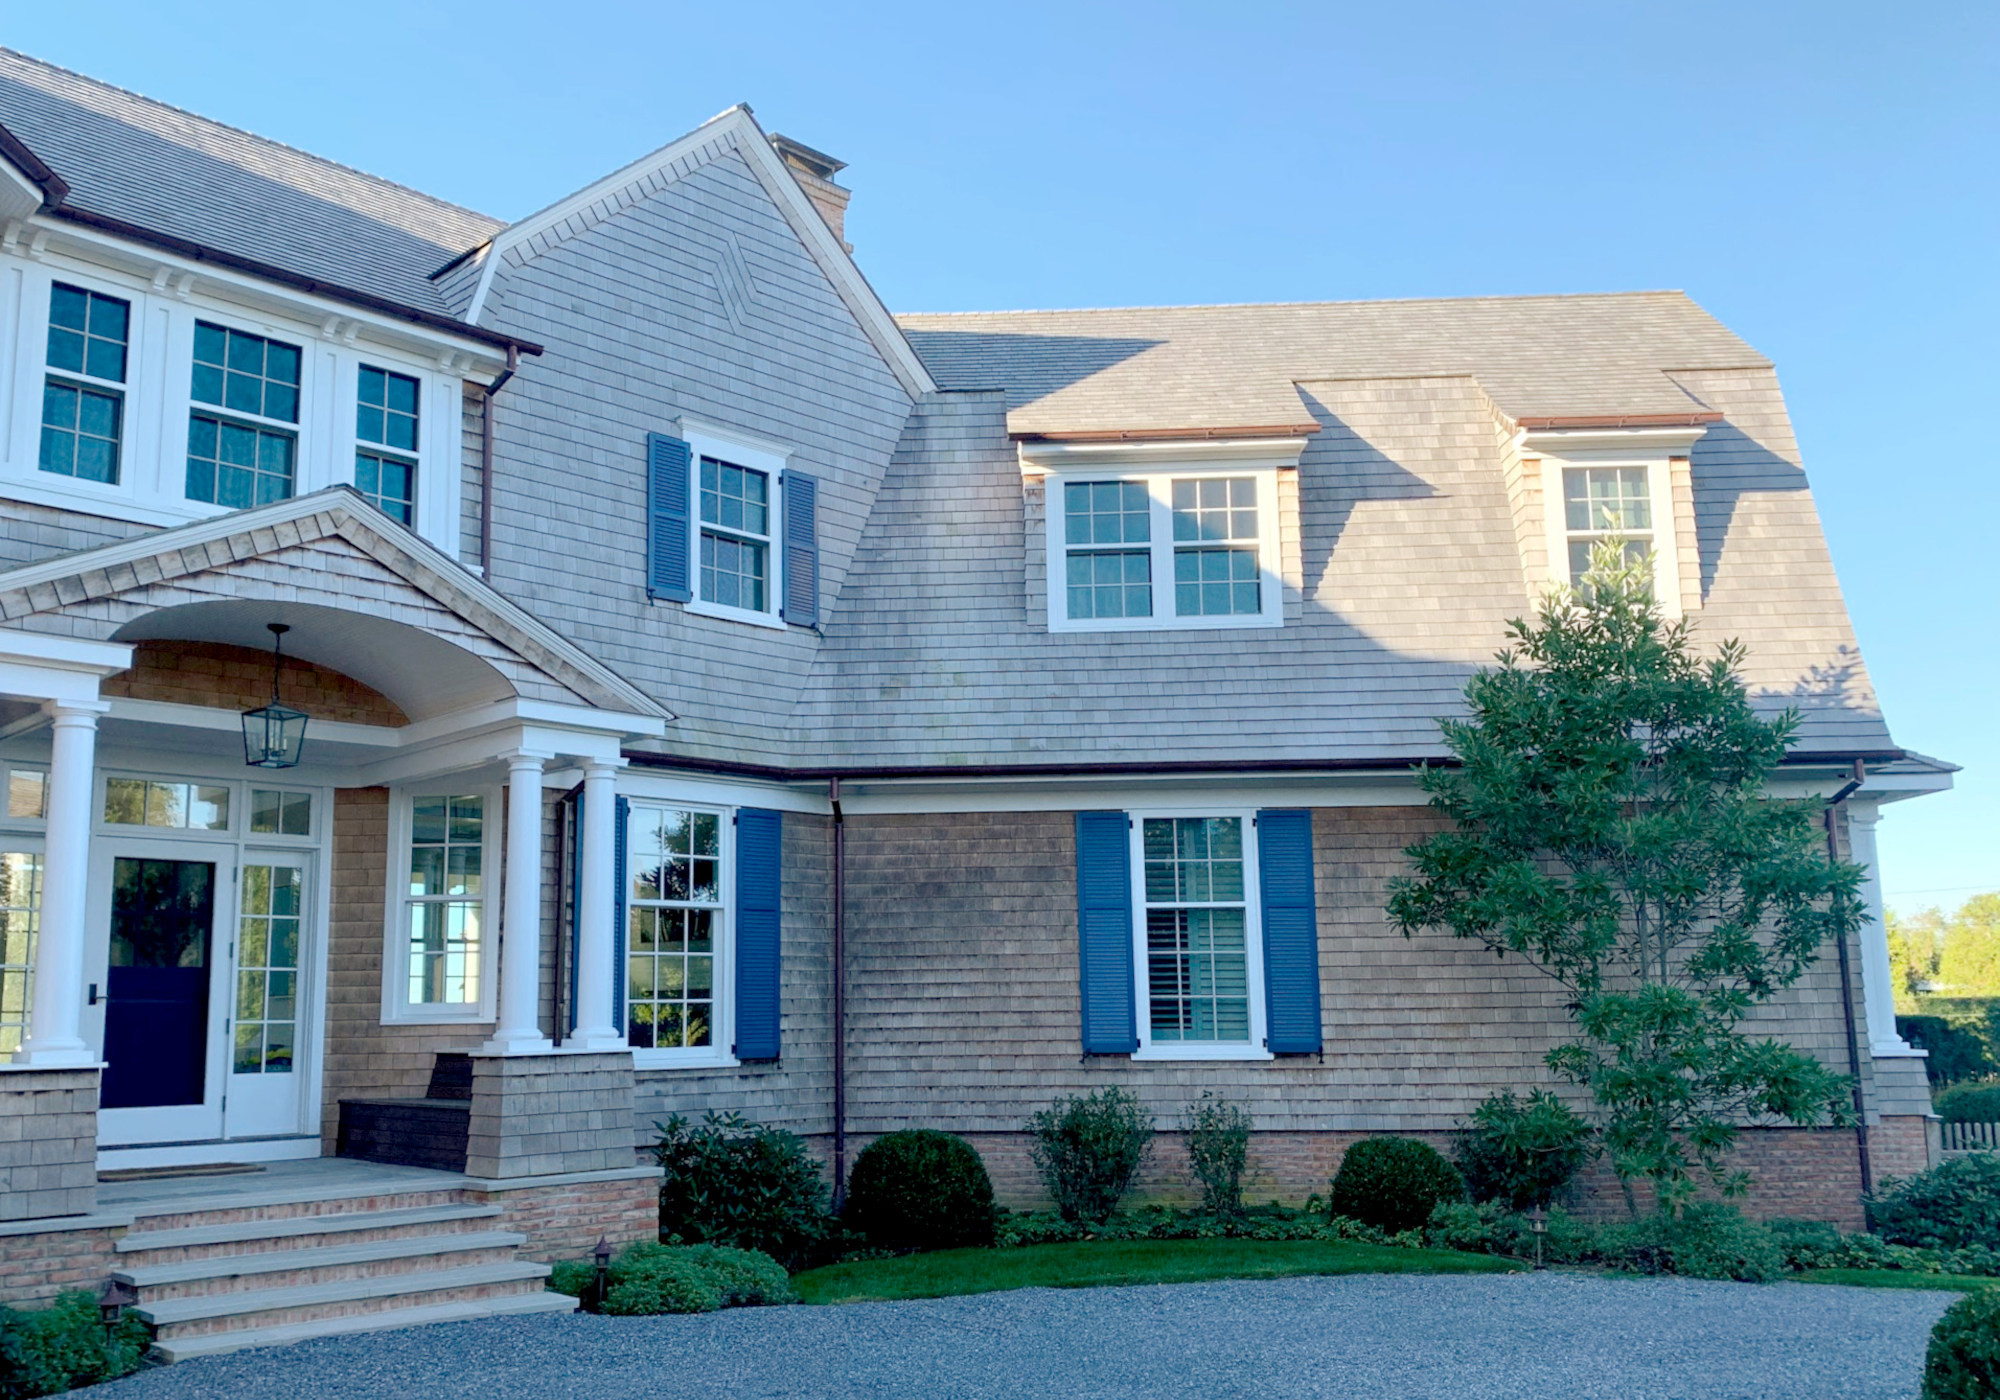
(1971, 1137)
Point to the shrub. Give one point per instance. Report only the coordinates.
(1393, 1183)
(1218, 1149)
(1954, 1205)
(920, 1189)
(1958, 1050)
(1963, 1362)
(734, 1183)
(1522, 1152)
(647, 1278)
(1706, 1240)
(1977, 1101)
(1089, 1149)
(1489, 1228)
(45, 1351)
(1806, 1244)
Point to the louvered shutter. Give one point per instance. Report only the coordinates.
(1104, 932)
(668, 483)
(801, 605)
(759, 880)
(1291, 933)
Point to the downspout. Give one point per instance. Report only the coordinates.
(839, 995)
(486, 464)
(1847, 989)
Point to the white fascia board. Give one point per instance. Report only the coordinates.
(19, 196)
(1163, 452)
(64, 653)
(668, 786)
(210, 717)
(1626, 442)
(1177, 790)
(92, 248)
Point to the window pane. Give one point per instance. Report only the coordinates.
(88, 332)
(20, 912)
(672, 927)
(1607, 499)
(246, 373)
(387, 411)
(1106, 512)
(81, 431)
(387, 483)
(1105, 583)
(733, 572)
(1197, 968)
(1216, 582)
(1215, 508)
(236, 465)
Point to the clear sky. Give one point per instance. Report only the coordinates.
(1821, 176)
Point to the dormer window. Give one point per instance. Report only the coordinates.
(1623, 484)
(83, 398)
(1606, 503)
(246, 454)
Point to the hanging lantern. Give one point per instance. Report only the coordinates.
(274, 734)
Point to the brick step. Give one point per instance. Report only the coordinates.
(299, 1204)
(238, 1273)
(429, 1133)
(177, 1318)
(259, 1236)
(216, 1343)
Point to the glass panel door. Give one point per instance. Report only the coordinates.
(267, 1013)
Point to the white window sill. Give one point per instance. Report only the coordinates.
(1201, 1052)
(683, 1059)
(755, 619)
(439, 1016)
(1167, 624)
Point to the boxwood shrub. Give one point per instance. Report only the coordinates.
(1963, 1362)
(920, 1189)
(1393, 1183)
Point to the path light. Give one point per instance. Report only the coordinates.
(602, 1254)
(1538, 1223)
(112, 1300)
(274, 734)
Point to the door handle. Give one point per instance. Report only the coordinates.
(95, 999)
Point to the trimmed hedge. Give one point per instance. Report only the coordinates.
(920, 1189)
(1963, 1362)
(1394, 1183)
(1976, 1101)
(648, 1278)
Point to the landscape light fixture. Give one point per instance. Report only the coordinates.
(274, 734)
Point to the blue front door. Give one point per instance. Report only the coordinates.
(157, 985)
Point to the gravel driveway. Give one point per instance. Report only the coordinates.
(1549, 1337)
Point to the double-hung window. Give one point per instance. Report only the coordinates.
(385, 432)
(1603, 504)
(243, 432)
(677, 930)
(83, 397)
(735, 535)
(1164, 550)
(440, 959)
(1195, 884)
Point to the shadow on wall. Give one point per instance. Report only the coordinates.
(1028, 367)
(1726, 465)
(1344, 469)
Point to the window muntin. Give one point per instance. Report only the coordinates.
(735, 535)
(675, 926)
(1107, 582)
(1604, 503)
(1216, 538)
(20, 917)
(179, 806)
(445, 906)
(1196, 929)
(267, 968)
(385, 465)
(240, 464)
(83, 405)
(278, 813)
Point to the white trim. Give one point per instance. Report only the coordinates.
(1163, 548)
(68, 653)
(1193, 453)
(1640, 443)
(1256, 1046)
(739, 130)
(1666, 546)
(758, 455)
(291, 1148)
(397, 1009)
(722, 1033)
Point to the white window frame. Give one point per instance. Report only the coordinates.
(719, 1054)
(1654, 450)
(738, 450)
(1159, 489)
(430, 499)
(397, 1009)
(21, 841)
(1255, 1048)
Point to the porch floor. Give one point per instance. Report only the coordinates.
(279, 1184)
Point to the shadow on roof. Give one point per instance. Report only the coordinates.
(1028, 367)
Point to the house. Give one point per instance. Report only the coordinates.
(721, 694)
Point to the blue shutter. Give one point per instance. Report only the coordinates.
(1291, 933)
(1104, 932)
(801, 549)
(623, 822)
(669, 480)
(759, 877)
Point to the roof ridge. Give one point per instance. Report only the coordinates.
(260, 139)
(1307, 305)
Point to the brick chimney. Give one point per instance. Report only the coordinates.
(814, 170)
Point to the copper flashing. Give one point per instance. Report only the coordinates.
(1625, 420)
(1261, 430)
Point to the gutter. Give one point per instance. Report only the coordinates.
(486, 464)
(1861, 1152)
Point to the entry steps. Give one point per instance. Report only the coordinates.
(229, 1277)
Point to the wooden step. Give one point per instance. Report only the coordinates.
(300, 1227)
(216, 1343)
(177, 1318)
(319, 1264)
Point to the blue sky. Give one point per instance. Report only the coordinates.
(1818, 176)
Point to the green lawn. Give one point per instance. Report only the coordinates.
(1895, 1278)
(954, 1271)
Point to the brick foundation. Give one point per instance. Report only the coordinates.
(48, 1142)
(34, 1267)
(565, 1221)
(1901, 1146)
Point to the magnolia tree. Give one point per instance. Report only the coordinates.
(1611, 825)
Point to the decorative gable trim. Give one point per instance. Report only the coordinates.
(737, 130)
(340, 512)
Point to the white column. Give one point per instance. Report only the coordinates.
(1877, 979)
(519, 1031)
(55, 1019)
(597, 869)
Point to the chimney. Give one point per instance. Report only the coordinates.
(814, 170)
